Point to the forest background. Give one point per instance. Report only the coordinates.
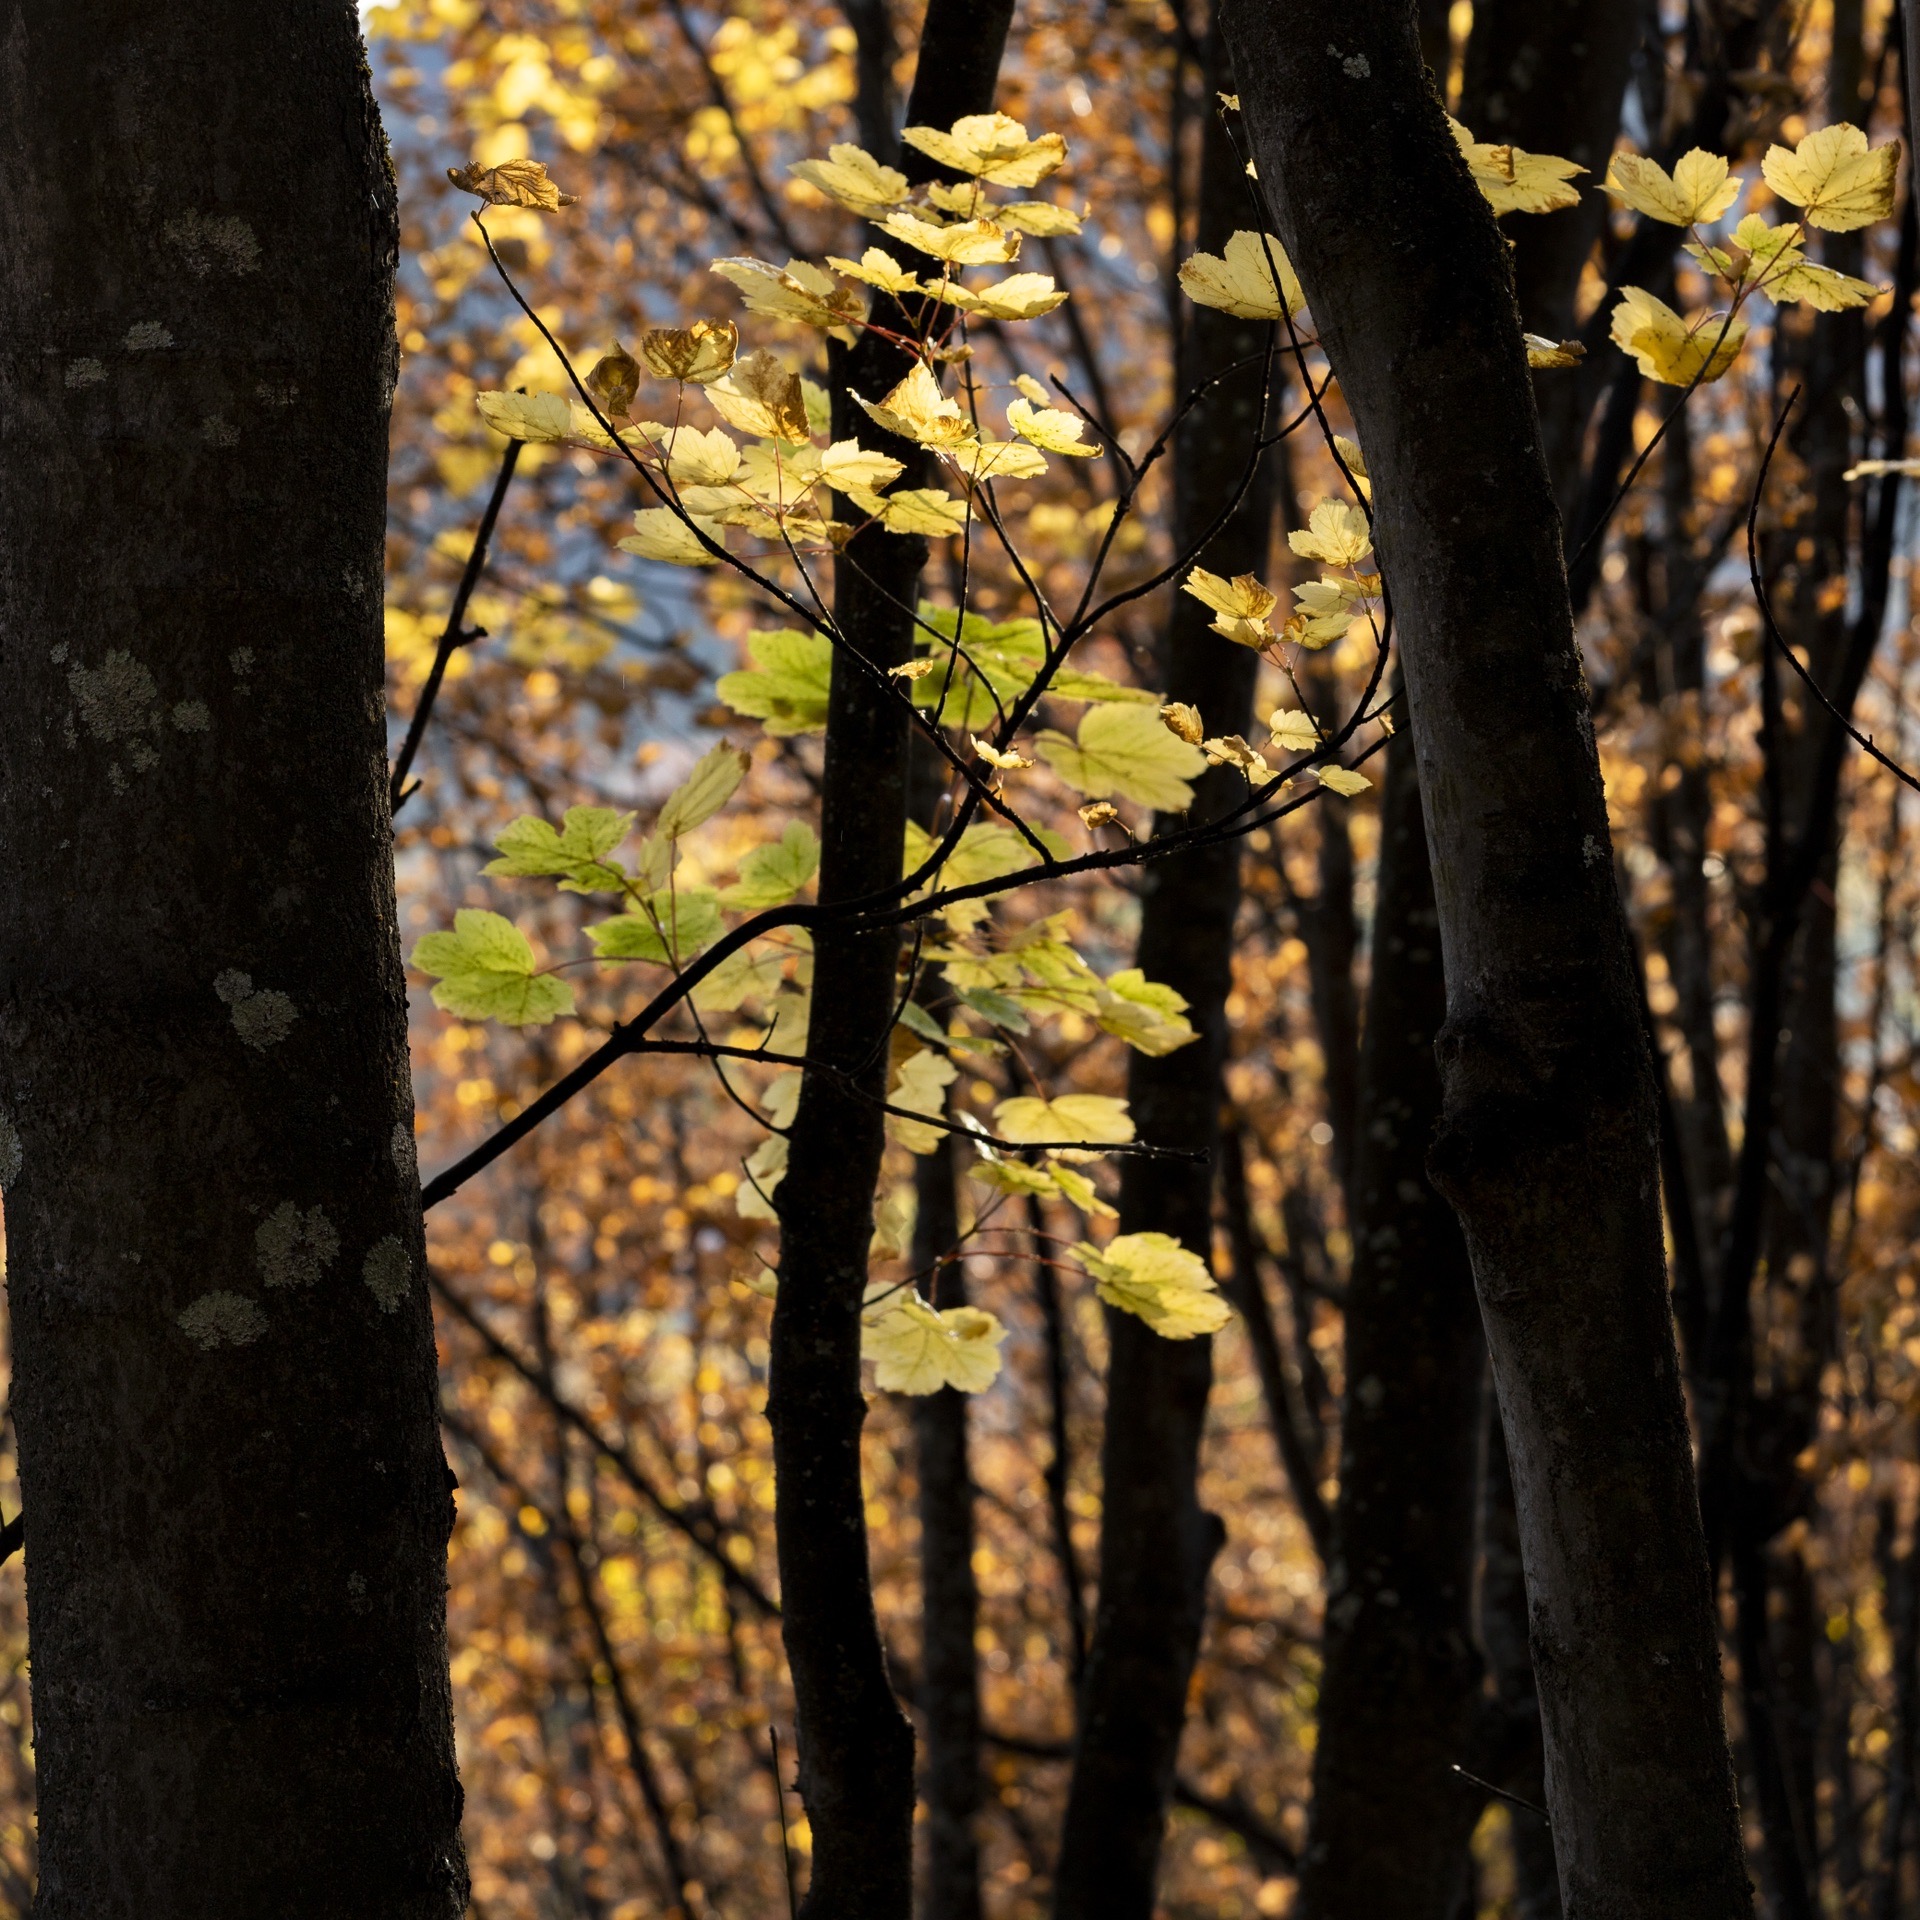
(600, 1293)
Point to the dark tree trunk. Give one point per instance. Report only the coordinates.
(855, 1746)
(1548, 1147)
(224, 1361)
(950, 1602)
(1156, 1542)
(1400, 1680)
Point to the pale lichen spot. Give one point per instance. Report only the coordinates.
(1591, 851)
(241, 661)
(406, 1152)
(116, 699)
(388, 1273)
(223, 1320)
(85, 372)
(214, 243)
(293, 1248)
(261, 1019)
(357, 1593)
(277, 393)
(191, 716)
(12, 1152)
(217, 432)
(147, 336)
(58, 655)
(144, 758)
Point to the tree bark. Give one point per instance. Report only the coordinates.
(855, 1746)
(1156, 1542)
(224, 1356)
(1548, 1142)
(1400, 1680)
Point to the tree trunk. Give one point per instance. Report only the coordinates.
(1400, 1681)
(1156, 1542)
(224, 1357)
(950, 1596)
(855, 1746)
(1548, 1143)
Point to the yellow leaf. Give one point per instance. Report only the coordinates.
(1123, 749)
(1349, 451)
(1020, 296)
(700, 353)
(1103, 813)
(927, 510)
(1342, 780)
(1183, 721)
(1293, 730)
(919, 1082)
(1231, 751)
(534, 417)
(1826, 288)
(997, 459)
(801, 293)
(1155, 1278)
(513, 183)
(990, 146)
(1242, 604)
(761, 396)
(1005, 762)
(1336, 534)
(1515, 181)
(917, 410)
(1542, 352)
(916, 1349)
(695, 457)
(855, 178)
(1665, 347)
(1041, 218)
(1698, 190)
(613, 381)
(1239, 280)
(967, 243)
(659, 534)
(1051, 428)
(1833, 179)
(847, 465)
(878, 268)
(1080, 1119)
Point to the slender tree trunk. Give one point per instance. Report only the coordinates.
(224, 1360)
(855, 1746)
(1548, 1148)
(1400, 1681)
(950, 1603)
(1156, 1542)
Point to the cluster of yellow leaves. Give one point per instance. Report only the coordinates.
(1832, 176)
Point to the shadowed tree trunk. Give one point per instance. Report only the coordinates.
(1400, 1681)
(1548, 1145)
(1156, 1542)
(224, 1360)
(855, 1746)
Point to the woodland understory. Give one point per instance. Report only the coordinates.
(1311, 1506)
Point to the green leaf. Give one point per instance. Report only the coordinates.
(773, 874)
(916, 1019)
(486, 972)
(578, 851)
(789, 689)
(997, 1009)
(1125, 750)
(703, 793)
(684, 921)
